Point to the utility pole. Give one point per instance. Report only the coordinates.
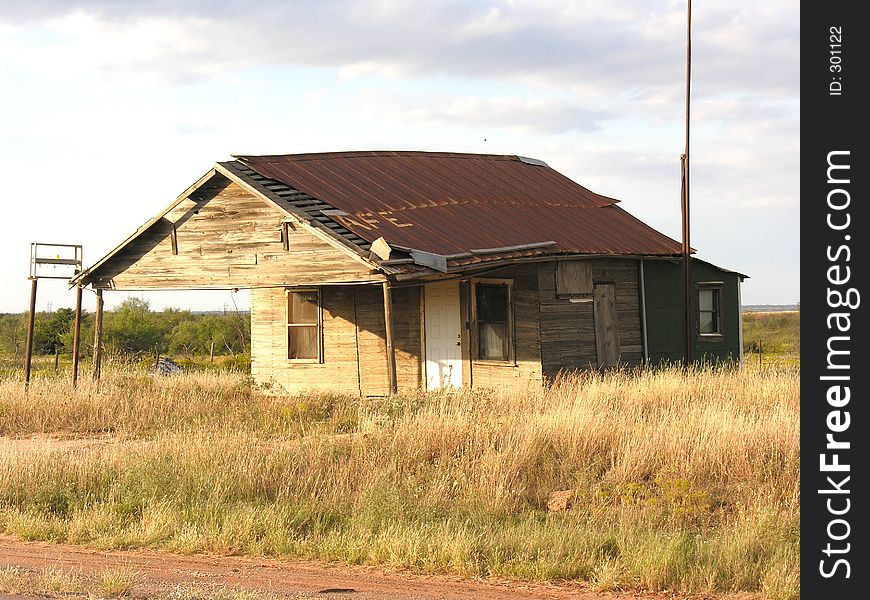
(684, 203)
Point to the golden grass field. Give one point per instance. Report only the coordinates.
(680, 482)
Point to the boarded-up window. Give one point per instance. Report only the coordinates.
(492, 309)
(573, 278)
(709, 311)
(303, 325)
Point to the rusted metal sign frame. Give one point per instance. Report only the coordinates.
(34, 276)
(35, 260)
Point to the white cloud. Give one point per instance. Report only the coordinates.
(632, 44)
(513, 114)
(150, 92)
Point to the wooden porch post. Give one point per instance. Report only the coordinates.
(391, 350)
(77, 326)
(28, 351)
(98, 336)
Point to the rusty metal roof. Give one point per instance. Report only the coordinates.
(449, 203)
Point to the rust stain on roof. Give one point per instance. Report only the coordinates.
(448, 203)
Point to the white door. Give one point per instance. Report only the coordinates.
(443, 335)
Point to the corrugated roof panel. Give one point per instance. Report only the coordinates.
(448, 203)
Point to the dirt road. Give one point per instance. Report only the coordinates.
(160, 575)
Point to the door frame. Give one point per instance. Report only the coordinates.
(600, 285)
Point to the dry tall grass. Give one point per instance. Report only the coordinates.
(680, 482)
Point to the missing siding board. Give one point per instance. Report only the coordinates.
(573, 278)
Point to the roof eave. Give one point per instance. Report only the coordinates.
(486, 265)
(311, 225)
(85, 276)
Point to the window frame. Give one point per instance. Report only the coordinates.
(318, 325)
(717, 287)
(510, 361)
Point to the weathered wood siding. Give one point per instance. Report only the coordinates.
(527, 368)
(407, 332)
(226, 237)
(568, 328)
(372, 339)
(354, 350)
(269, 363)
(372, 345)
(551, 333)
(623, 274)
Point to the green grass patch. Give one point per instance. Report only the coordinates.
(772, 338)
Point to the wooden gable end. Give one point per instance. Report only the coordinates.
(224, 236)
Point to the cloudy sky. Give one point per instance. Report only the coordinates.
(112, 108)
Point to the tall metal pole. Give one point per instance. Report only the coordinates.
(684, 202)
(28, 352)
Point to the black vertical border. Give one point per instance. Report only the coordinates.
(831, 123)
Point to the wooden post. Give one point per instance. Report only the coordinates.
(77, 328)
(174, 240)
(98, 336)
(211, 353)
(28, 352)
(56, 358)
(391, 350)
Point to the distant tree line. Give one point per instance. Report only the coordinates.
(132, 329)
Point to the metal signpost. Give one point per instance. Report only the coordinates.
(53, 261)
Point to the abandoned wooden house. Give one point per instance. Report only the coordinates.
(372, 272)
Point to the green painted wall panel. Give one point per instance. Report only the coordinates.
(663, 284)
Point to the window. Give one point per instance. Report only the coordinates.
(709, 310)
(303, 325)
(493, 319)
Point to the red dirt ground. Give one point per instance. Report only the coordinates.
(158, 574)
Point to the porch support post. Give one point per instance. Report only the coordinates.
(77, 327)
(28, 351)
(388, 326)
(98, 336)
